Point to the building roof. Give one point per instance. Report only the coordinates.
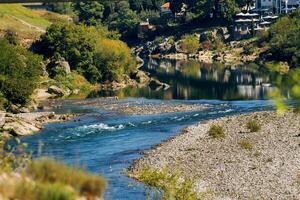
(166, 5)
(247, 14)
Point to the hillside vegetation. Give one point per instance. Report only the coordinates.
(29, 24)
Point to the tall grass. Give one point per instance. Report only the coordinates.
(49, 171)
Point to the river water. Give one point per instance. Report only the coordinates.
(106, 142)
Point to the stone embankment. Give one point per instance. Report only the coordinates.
(243, 165)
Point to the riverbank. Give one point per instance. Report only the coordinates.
(244, 164)
(25, 124)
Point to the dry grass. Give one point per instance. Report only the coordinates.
(49, 171)
(29, 24)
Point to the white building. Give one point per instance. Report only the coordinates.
(278, 6)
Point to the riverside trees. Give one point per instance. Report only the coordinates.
(93, 52)
(19, 72)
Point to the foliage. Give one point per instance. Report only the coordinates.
(216, 131)
(203, 8)
(151, 15)
(17, 63)
(190, 43)
(90, 13)
(166, 184)
(253, 126)
(72, 82)
(284, 38)
(88, 50)
(61, 7)
(246, 144)
(287, 84)
(123, 20)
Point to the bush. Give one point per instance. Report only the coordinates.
(216, 131)
(88, 50)
(190, 43)
(72, 81)
(19, 72)
(168, 184)
(253, 126)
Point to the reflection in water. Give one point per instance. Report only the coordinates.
(194, 80)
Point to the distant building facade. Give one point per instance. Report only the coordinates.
(277, 6)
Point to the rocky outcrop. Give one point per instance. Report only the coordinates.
(60, 66)
(28, 123)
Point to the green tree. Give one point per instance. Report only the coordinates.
(61, 7)
(284, 39)
(124, 20)
(89, 50)
(19, 72)
(90, 13)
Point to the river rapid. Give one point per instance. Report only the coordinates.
(106, 141)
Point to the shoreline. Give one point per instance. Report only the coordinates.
(227, 166)
(25, 124)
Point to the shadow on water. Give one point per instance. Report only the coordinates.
(194, 80)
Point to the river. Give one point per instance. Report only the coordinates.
(106, 142)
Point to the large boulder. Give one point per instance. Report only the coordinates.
(56, 91)
(60, 66)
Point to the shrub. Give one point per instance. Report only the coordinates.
(253, 126)
(19, 72)
(246, 144)
(72, 81)
(167, 184)
(190, 43)
(216, 131)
